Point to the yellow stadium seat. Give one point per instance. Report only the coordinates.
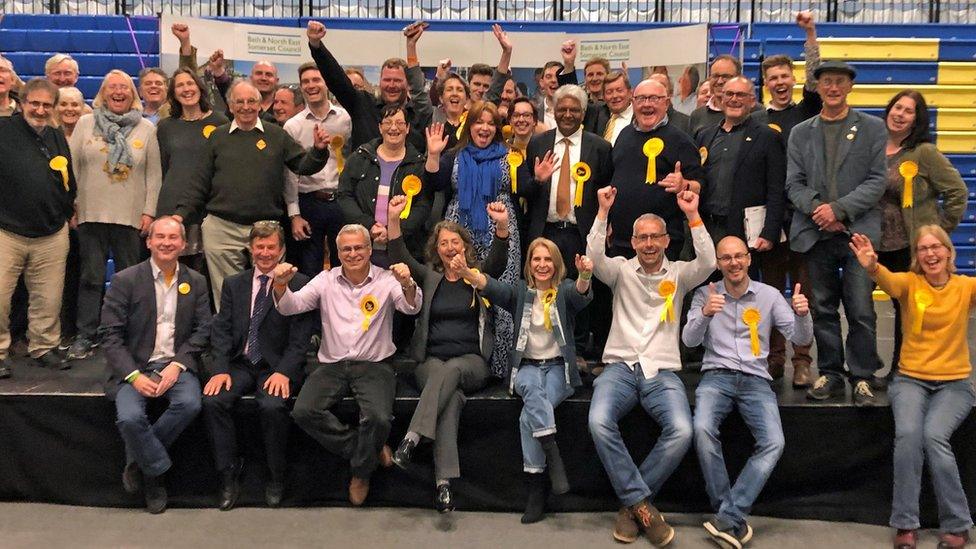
(957, 73)
(880, 49)
(956, 142)
(955, 120)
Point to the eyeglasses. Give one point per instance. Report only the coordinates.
(649, 237)
(652, 99)
(728, 258)
(39, 104)
(931, 248)
(353, 249)
(737, 95)
(518, 115)
(249, 101)
(387, 124)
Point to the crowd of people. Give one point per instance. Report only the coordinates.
(487, 234)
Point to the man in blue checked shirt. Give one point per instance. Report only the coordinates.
(733, 319)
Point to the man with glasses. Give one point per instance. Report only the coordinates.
(356, 301)
(734, 319)
(723, 68)
(642, 356)
(242, 181)
(835, 176)
(8, 101)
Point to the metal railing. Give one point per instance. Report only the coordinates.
(676, 11)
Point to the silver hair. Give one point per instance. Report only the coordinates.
(234, 86)
(57, 59)
(355, 228)
(152, 226)
(650, 217)
(69, 92)
(570, 90)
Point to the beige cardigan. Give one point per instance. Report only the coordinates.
(102, 200)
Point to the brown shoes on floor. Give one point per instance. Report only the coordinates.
(625, 528)
(652, 522)
(358, 490)
(802, 377)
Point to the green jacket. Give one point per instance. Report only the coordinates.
(936, 178)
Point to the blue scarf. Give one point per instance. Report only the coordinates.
(478, 175)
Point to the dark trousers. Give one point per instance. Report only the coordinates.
(72, 279)
(373, 385)
(778, 263)
(218, 414)
(567, 238)
(325, 218)
(96, 241)
(897, 261)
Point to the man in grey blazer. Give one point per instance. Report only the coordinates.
(155, 324)
(835, 177)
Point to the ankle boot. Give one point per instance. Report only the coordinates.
(555, 467)
(535, 504)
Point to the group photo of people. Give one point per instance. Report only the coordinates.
(213, 238)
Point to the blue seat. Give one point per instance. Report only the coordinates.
(964, 235)
(752, 50)
(966, 257)
(791, 47)
(965, 163)
(877, 73)
(122, 42)
(27, 62)
(13, 40)
(764, 31)
(971, 185)
(958, 50)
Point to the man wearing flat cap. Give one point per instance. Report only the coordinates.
(835, 177)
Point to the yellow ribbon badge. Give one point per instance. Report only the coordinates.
(183, 288)
(460, 128)
(703, 153)
(335, 145)
(514, 161)
(368, 305)
(411, 188)
(652, 148)
(666, 288)
(474, 291)
(581, 174)
(60, 164)
(751, 317)
(775, 127)
(548, 299)
(922, 301)
(137, 144)
(507, 132)
(260, 144)
(908, 171)
(208, 129)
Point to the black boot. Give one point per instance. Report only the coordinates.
(557, 472)
(155, 488)
(535, 504)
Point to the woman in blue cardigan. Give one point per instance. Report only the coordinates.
(544, 307)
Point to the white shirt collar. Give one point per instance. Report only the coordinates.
(156, 270)
(575, 140)
(259, 126)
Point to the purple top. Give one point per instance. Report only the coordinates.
(387, 168)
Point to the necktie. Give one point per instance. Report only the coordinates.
(608, 133)
(261, 303)
(562, 191)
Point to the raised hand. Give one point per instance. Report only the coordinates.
(568, 51)
(583, 264)
(402, 273)
(378, 232)
(315, 32)
(283, 273)
(688, 202)
(864, 251)
(502, 37)
(436, 138)
(216, 63)
(414, 31)
(322, 138)
(804, 20)
(605, 197)
(800, 304)
(545, 166)
(396, 207)
(674, 182)
(460, 266)
(181, 31)
(715, 301)
(498, 213)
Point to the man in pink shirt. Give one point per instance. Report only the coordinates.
(356, 302)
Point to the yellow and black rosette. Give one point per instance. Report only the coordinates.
(666, 289)
(335, 146)
(369, 306)
(183, 288)
(208, 129)
(548, 298)
(703, 153)
(908, 170)
(923, 299)
(411, 188)
(260, 144)
(652, 148)
(514, 161)
(60, 164)
(751, 316)
(581, 174)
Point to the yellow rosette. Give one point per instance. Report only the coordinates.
(460, 128)
(183, 288)
(652, 148)
(507, 132)
(751, 317)
(703, 153)
(581, 174)
(908, 171)
(411, 188)
(60, 164)
(208, 129)
(548, 299)
(369, 306)
(137, 144)
(922, 301)
(260, 144)
(514, 161)
(666, 288)
(335, 146)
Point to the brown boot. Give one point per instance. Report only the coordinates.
(652, 523)
(775, 370)
(386, 457)
(801, 375)
(358, 490)
(625, 529)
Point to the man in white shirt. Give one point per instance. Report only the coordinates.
(311, 199)
(641, 358)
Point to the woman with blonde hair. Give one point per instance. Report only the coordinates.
(932, 394)
(543, 358)
(69, 109)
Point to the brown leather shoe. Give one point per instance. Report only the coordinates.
(652, 523)
(775, 370)
(957, 540)
(386, 456)
(358, 490)
(906, 539)
(625, 529)
(802, 378)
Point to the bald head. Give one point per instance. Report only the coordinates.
(730, 245)
(650, 104)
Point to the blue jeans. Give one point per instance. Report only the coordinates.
(144, 443)
(853, 288)
(926, 414)
(615, 393)
(542, 388)
(717, 392)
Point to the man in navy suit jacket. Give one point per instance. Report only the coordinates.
(255, 350)
(155, 323)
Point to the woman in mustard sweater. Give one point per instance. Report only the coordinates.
(932, 394)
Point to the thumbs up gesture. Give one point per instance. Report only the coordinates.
(715, 301)
(800, 305)
(674, 182)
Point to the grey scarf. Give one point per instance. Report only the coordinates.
(115, 129)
